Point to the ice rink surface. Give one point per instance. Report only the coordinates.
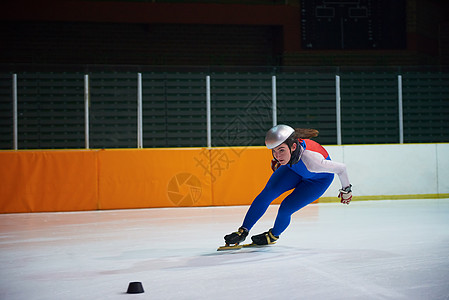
(368, 250)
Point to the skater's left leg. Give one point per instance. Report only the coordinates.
(304, 193)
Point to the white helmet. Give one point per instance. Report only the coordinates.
(277, 135)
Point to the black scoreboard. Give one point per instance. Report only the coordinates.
(353, 24)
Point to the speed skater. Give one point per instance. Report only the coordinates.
(301, 164)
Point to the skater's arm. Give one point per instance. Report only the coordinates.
(316, 163)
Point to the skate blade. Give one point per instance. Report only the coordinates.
(229, 247)
(252, 245)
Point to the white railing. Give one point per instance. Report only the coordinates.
(15, 98)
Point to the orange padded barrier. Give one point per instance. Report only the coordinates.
(152, 178)
(239, 174)
(71, 180)
(36, 181)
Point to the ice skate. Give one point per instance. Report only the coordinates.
(266, 238)
(234, 239)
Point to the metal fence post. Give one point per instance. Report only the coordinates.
(274, 98)
(208, 116)
(338, 107)
(86, 111)
(139, 112)
(14, 111)
(401, 117)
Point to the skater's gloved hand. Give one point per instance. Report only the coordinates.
(345, 194)
(275, 164)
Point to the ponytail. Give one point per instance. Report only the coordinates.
(305, 133)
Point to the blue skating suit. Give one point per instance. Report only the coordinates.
(309, 178)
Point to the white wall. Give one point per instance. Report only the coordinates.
(402, 169)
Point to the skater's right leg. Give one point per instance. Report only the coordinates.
(305, 193)
(282, 180)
